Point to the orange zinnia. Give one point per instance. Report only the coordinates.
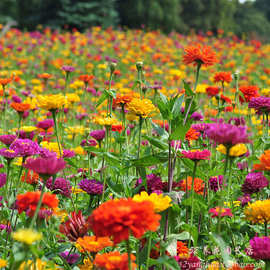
(223, 77)
(120, 218)
(114, 261)
(5, 81)
(182, 250)
(31, 178)
(121, 100)
(199, 55)
(249, 92)
(28, 202)
(20, 107)
(192, 134)
(44, 76)
(264, 164)
(186, 184)
(93, 243)
(86, 78)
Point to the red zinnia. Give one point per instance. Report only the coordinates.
(186, 184)
(212, 91)
(225, 99)
(28, 202)
(199, 55)
(249, 92)
(223, 77)
(119, 218)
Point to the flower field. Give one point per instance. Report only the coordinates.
(133, 150)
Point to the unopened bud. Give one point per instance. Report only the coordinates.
(112, 67)
(139, 65)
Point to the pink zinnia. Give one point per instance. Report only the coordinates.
(219, 211)
(197, 155)
(45, 167)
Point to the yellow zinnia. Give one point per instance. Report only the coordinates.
(160, 201)
(51, 102)
(52, 147)
(3, 263)
(235, 151)
(27, 236)
(142, 107)
(105, 121)
(258, 212)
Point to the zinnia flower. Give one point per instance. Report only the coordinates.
(254, 182)
(249, 92)
(258, 212)
(235, 151)
(93, 243)
(212, 91)
(3, 179)
(45, 167)
(114, 261)
(99, 135)
(219, 211)
(75, 227)
(20, 107)
(8, 153)
(264, 164)
(192, 134)
(215, 182)
(7, 139)
(51, 102)
(260, 104)
(197, 155)
(27, 236)
(160, 201)
(119, 218)
(153, 183)
(142, 107)
(190, 263)
(223, 77)
(59, 186)
(25, 147)
(199, 55)
(187, 184)
(260, 247)
(71, 258)
(227, 134)
(28, 202)
(92, 187)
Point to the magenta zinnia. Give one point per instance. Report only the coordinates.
(197, 155)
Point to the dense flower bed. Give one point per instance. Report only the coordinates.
(133, 150)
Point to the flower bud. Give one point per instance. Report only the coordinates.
(139, 65)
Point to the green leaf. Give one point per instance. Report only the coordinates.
(193, 232)
(156, 142)
(150, 160)
(170, 263)
(180, 132)
(219, 241)
(160, 131)
(163, 108)
(102, 98)
(188, 90)
(177, 107)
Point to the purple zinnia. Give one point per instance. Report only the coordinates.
(7, 139)
(60, 186)
(245, 199)
(215, 182)
(45, 153)
(227, 134)
(92, 187)
(242, 165)
(153, 182)
(25, 147)
(260, 104)
(8, 154)
(254, 182)
(237, 121)
(16, 99)
(68, 68)
(99, 135)
(3, 179)
(45, 124)
(25, 135)
(68, 153)
(71, 258)
(196, 116)
(260, 248)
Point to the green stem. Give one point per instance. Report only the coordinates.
(38, 205)
(103, 177)
(229, 181)
(267, 264)
(192, 199)
(56, 132)
(129, 255)
(148, 249)
(140, 136)
(194, 91)
(267, 125)
(265, 229)
(125, 128)
(5, 108)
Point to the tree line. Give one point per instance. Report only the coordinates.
(248, 18)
